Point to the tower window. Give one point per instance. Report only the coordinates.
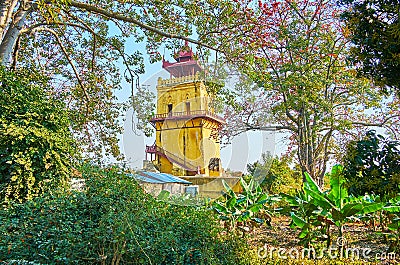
(169, 109)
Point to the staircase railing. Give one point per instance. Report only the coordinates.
(171, 157)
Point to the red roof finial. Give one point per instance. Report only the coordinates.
(185, 63)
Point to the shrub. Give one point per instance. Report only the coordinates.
(36, 146)
(114, 222)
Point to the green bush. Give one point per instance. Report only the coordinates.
(36, 146)
(114, 222)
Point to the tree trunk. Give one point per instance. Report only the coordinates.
(312, 153)
(6, 9)
(10, 36)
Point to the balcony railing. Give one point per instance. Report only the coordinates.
(186, 114)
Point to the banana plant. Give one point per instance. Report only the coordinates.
(333, 207)
(392, 209)
(244, 208)
(370, 218)
(306, 216)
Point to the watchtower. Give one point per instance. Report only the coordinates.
(187, 129)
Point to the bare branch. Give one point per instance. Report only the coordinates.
(67, 57)
(378, 124)
(250, 127)
(15, 53)
(6, 9)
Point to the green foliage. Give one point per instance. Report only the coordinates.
(36, 145)
(305, 215)
(372, 165)
(275, 175)
(114, 222)
(375, 30)
(314, 211)
(182, 199)
(93, 48)
(392, 211)
(295, 53)
(244, 209)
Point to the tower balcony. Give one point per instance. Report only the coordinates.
(182, 115)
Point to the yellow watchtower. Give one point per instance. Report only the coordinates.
(186, 126)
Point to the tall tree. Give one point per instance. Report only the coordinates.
(375, 33)
(81, 44)
(295, 54)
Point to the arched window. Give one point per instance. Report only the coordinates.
(169, 106)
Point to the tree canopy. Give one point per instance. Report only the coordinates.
(293, 54)
(375, 33)
(275, 174)
(372, 165)
(81, 45)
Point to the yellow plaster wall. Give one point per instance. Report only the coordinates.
(164, 165)
(178, 94)
(212, 187)
(170, 134)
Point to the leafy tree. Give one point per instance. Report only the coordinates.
(36, 144)
(80, 45)
(372, 165)
(294, 53)
(275, 175)
(375, 33)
